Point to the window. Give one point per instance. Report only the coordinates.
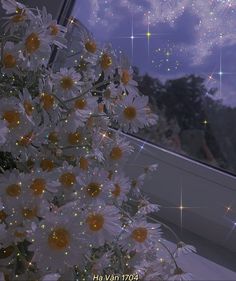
(183, 53)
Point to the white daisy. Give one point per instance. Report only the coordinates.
(136, 185)
(106, 62)
(183, 249)
(67, 83)
(95, 186)
(41, 183)
(139, 236)
(11, 6)
(19, 14)
(18, 233)
(58, 244)
(27, 104)
(10, 186)
(120, 187)
(70, 138)
(83, 161)
(126, 80)
(134, 114)
(27, 210)
(27, 143)
(119, 149)
(11, 113)
(180, 275)
(68, 179)
(46, 162)
(55, 31)
(48, 103)
(109, 97)
(82, 109)
(89, 47)
(35, 48)
(102, 224)
(146, 207)
(10, 60)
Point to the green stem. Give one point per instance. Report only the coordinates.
(171, 255)
(60, 101)
(103, 83)
(167, 227)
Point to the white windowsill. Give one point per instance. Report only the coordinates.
(204, 269)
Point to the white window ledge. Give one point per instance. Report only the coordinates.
(206, 192)
(204, 269)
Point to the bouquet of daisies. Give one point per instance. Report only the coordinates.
(68, 211)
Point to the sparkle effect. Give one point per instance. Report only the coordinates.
(181, 36)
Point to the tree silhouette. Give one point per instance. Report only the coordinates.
(191, 104)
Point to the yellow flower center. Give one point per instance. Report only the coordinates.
(29, 213)
(54, 30)
(67, 83)
(125, 78)
(106, 61)
(134, 183)
(95, 222)
(90, 122)
(110, 174)
(53, 137)
(116, 191)
(83, 163)
(12, 117)
(47, 165)
(20, 234)
(93, 189)
(6, 252)
(19, 16)
(67, 179)
(13, 190)
(38, 186)
(26, 140)
(47, 101)
(91, 46)
(3, 215)
(130, 113)
(59, 239)
(80, 104)
(32, 43)
(28, 108)
(107, 94)
(30, 163)
(116, 153)
(139, 234)
(101, 107)
(9, 61)
(74, 138)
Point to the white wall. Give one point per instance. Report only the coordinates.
(206, 190)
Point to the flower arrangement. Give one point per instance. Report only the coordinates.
(68, 211)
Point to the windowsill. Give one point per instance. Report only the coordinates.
(204, 269)
(206, 192)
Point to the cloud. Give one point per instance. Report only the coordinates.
(215, 25)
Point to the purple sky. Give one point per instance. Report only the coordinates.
(186, 36)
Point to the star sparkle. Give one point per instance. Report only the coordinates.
(182, 207)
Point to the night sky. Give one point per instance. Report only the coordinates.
(170, 38)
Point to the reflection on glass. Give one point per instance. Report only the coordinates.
(183, 53)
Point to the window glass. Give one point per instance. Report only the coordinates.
(183, 53)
